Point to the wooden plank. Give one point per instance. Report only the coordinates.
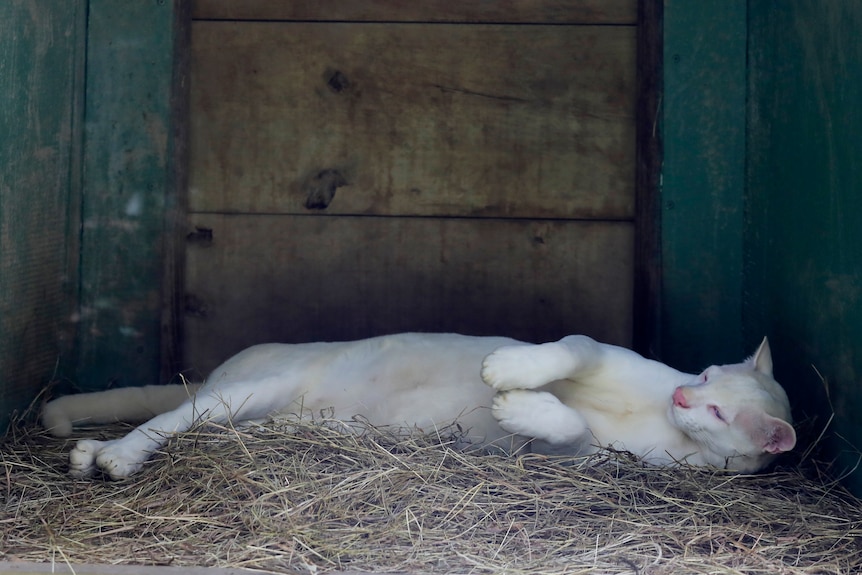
(129, 187)
(498, 121)
(646, 329)
(41, 60)
(253, 279)
(703, 181)
(176, 208)
(803, 268)
(514, 11)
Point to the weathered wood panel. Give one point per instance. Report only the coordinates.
(252, 279)
(803, 241)
(534, 11)
(40, 64)
(501, 121)
(703, 181)
(646, 336)
(129, 190)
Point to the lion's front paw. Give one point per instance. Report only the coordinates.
(111, 457)
(120, 462)
(517, 367)
(538, 415)
(82, 458)
(504, 369)
(517, 410)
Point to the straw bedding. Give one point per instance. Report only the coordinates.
(307, 498)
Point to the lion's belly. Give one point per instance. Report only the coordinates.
(429, 406)
(427, 381)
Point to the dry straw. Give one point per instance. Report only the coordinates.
(309, 498)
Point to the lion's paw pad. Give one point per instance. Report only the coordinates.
(111, 457)
(82, 459)
(511, 367)
(517, 410)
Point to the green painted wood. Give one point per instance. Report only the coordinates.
(804, 240)
(40, 56)
(130, 190)
(703, 181)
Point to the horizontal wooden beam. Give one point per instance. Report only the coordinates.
(465, 121)
(509, 11)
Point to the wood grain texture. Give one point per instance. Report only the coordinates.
(499, 121)
(803, 241)
(646, 332)
(703, 182)
(545, 11)
(254, 279)
(129, 191)
(41, 59)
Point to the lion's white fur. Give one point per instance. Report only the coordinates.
(574, 395)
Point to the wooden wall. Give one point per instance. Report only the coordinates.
(40, 73)
(804, 241)
(133, 167)
(703, 183)
(380, 167)
(363, 168)
(761, 207)
(88, 193)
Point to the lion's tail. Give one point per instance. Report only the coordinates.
(128, 404)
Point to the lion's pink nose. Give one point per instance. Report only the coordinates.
(679, 398)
